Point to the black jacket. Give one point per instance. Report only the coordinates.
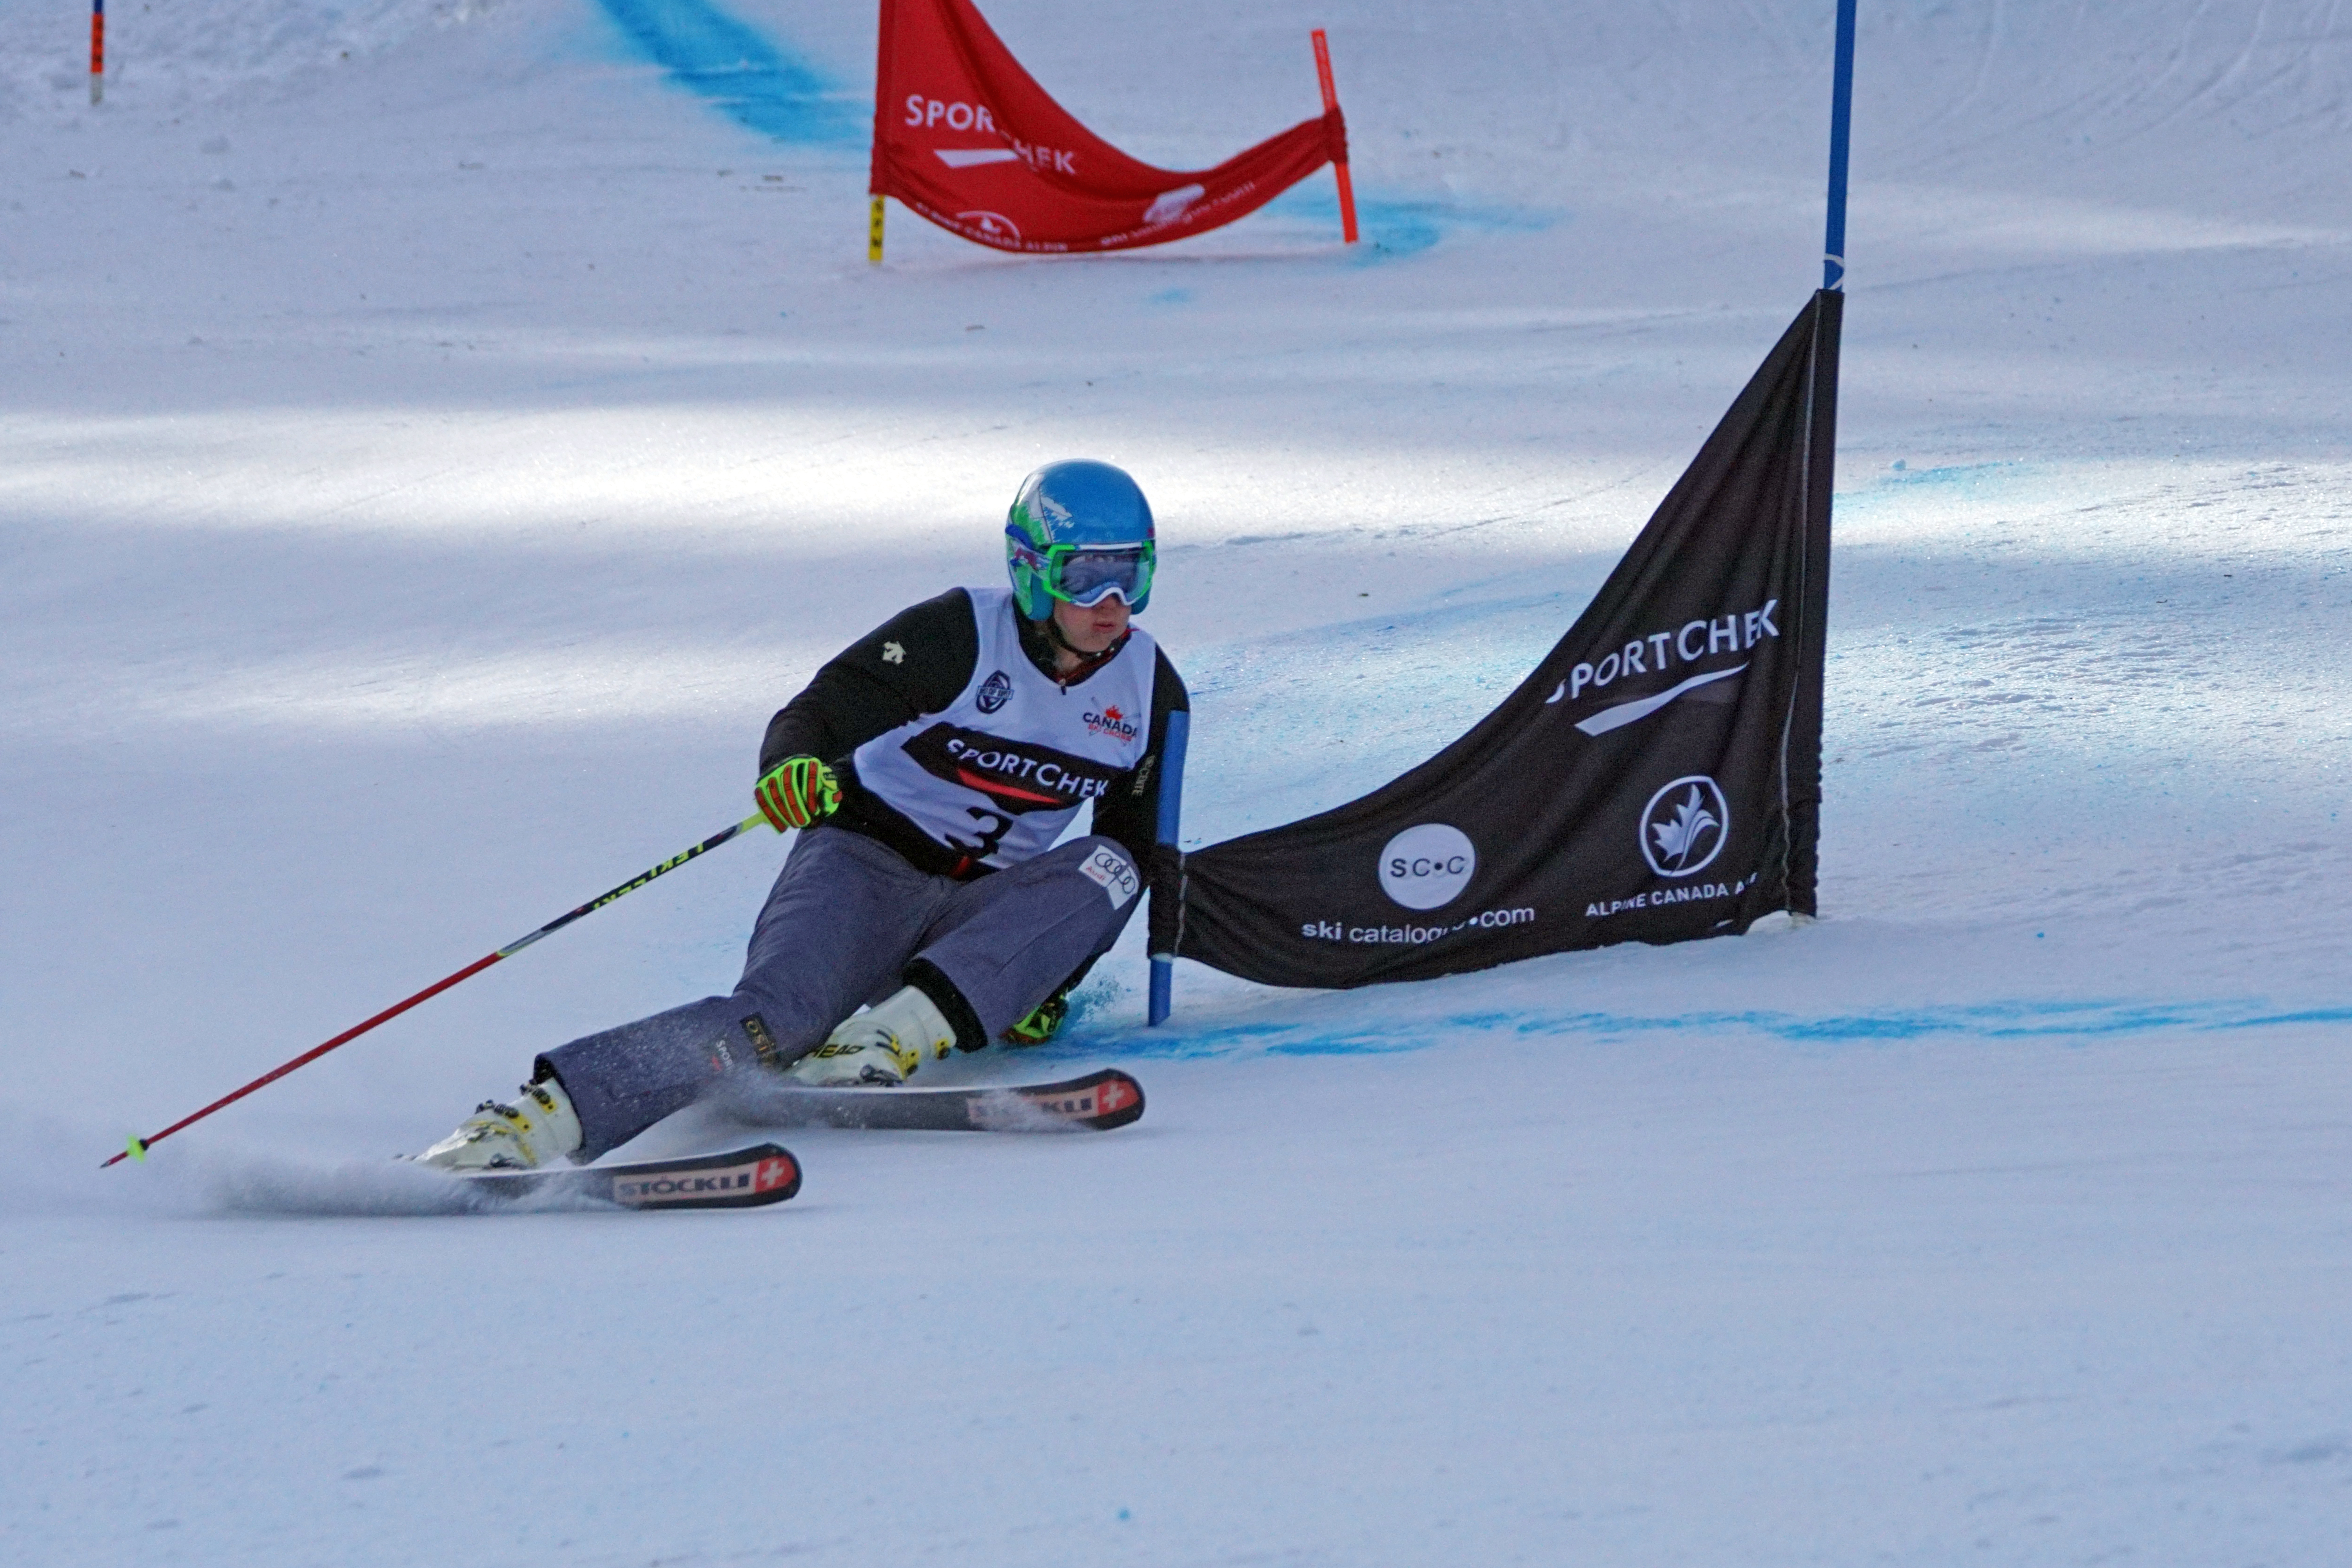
(859, 694)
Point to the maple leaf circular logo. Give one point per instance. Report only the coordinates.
(1684, 825)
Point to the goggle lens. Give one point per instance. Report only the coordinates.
(1087, 577)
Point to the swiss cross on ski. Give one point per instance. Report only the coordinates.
(1116, 1096)
(930, 771)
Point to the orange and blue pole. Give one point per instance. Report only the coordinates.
(96, 50)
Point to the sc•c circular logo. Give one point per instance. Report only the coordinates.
(1427, 866)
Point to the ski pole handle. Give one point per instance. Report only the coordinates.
(138, 1147)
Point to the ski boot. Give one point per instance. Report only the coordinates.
(878, 1048)
(540, 1126)
(1044, 1021)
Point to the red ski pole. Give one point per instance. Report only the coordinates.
(138, 1147)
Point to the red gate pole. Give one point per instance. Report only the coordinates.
(1339, 165)
(96, 50)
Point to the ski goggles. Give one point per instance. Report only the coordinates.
(1086, 575)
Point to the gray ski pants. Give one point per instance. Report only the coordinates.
(840, 929)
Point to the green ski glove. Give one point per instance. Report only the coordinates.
(799, 792)
(1042, 1024)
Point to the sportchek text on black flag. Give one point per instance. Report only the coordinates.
(1657, 778)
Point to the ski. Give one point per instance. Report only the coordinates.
(738, 1179)
(1099, 1101)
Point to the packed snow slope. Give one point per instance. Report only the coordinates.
(435, 436)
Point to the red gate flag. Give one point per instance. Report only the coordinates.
(967, 139)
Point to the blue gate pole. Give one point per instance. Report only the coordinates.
(1841, 133)
(1172, 813)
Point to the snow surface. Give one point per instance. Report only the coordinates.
(434, 437)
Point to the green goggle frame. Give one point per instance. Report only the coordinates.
(1086, 574)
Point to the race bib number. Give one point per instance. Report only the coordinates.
(1113, 875)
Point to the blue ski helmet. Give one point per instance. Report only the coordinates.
(1078, 531)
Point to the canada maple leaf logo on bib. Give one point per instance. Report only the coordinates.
(1110, 721)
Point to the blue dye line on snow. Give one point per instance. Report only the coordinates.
(1390, 228)
(1902, 483)
(2055, 1021)
(1962, 474)
(745, 75)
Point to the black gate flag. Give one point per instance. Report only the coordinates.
(1657, 778)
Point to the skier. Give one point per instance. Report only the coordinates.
(930, 768)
